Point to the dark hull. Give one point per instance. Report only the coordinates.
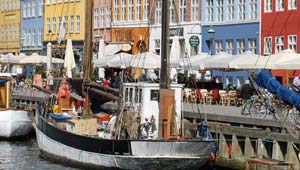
(59, 145)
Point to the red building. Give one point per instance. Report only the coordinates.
(280, 29)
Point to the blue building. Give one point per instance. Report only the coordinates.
(237, 29)
(31, 41)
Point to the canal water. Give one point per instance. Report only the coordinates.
(24, 155)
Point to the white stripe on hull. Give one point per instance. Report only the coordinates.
(14, 123)
(139, 161)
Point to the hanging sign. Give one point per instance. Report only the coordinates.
(194, 41)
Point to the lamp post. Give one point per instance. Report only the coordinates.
(211, 34)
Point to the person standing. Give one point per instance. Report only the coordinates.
(50, 81)
(246, 91)
(296, 83)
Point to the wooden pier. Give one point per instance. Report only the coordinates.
(241, 138)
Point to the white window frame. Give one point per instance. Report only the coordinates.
(240, 46)
(29, 9)
(123, 10)
(253, 9)
(102, 17)
(279, 44)
(24, 9)
(268, 5)
(130, 10)
(292, 42)
(182, 9)
(96, 18)
(220, 11)
(41, 4)
(33, 37)
(172, 11)
(292, 4)
(72, 24)
(33, 13)
(40, 37)
(230, 10)
(116, 10)
(195, 10)
(210, 10)
(138, 10)
(108, 17)
(77, 24)
(241, 10)
(48, 27)
(268, 45)
(279, 5)
(219, 46)
(146, 9)
(229, 46)
(158, 11)
(252, 45)
(53, 25)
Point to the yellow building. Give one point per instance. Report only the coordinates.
(10, 26)
(64, 19)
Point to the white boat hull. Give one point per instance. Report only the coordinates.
(142, 154)
(14, 123)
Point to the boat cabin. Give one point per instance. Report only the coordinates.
(144, 98)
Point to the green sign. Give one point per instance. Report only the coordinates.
(194, 41)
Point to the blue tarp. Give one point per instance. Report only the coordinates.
(58, 117)
(3, 81)
(266, 80)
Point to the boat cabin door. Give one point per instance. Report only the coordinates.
(4, 93)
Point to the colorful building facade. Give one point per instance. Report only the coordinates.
(102, 19)
(65, 20)
(280, 30)
(237, 27)
(9, 26)
(32, 27)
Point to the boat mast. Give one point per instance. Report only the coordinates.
(88, 48)
(165, 59)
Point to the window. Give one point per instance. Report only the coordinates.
(40, 37)
(172, 11)
(108, 17)
(77, 24)
(41, 8)
(229, 47)
(158, 7)
(47, 2)
(24, 10)
(71, 24)
(241, 9)
(253, 9)
(48, 26)
(279, 5)
(230, 10)
(123, 10)
(53, 1)
(292, 42)
(210, 10)
(268, 5)
(182, 7)
(252, 45)
(157, 46)
(138, 10)
(195, 10)
(102, 17)
(116, 10)
(279, 44)
(240, 46)
(66, 23)
(59, 23)
(219, 10)
(33, 37)
(219, 46)
(96, 18)
(28, 9)
(146, 9)
(268, 45)
(130, 10)
(292, 4)
(29, 37)
(53, 25)
(33, 8)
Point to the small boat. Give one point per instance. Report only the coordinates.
(15, 108)
(143, 131)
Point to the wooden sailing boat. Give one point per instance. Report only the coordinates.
(63, 143)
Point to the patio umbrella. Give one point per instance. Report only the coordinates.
(196, 62)
(34, 58)
(69, 63)
(220, 60)
(146, 60)
(175, 52)
(120, 60)
(49, 57)
(101, 54)
(286, 59)
(247, 60)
